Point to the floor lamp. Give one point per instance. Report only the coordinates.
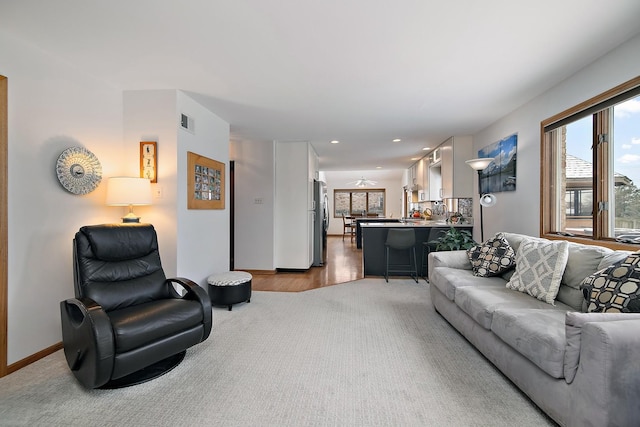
(486, 199)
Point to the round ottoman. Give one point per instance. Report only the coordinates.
(229, 288)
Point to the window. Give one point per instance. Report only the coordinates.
(358, 202)
(591, 168)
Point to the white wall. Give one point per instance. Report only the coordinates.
(391, 181)
(254, 222)
(193, 243)
(203, 235)
(151, 116)
(519, 211)
(51, 107)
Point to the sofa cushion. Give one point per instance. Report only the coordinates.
(615, 288)
(539, 269)
(136, 326)
(583, 260)
(612, 258)
(572, 297)
(537, 334)
(493, 257)
(515, 240)
(573, 331)
(447, 280)
(481, 302)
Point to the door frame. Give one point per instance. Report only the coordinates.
(4, 188)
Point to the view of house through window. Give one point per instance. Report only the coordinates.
(601, 142)
(358, 202)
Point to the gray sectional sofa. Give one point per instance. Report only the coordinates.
(582, 369)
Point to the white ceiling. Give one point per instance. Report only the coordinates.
(360, 71)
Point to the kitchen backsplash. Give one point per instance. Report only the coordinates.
(443, 208)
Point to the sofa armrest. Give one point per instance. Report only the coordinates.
(451, 259)
(606, 389)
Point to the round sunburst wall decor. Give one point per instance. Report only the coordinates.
(79, 170)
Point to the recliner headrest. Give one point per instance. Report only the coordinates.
(117, 242)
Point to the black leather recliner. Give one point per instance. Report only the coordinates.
(128, 322)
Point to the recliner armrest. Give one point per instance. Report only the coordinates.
(88, 341)
(195, 292)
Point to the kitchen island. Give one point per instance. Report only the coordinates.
(374, 235)
(360, 221)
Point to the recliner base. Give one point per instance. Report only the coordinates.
(148, 373)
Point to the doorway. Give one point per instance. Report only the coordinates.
(232, 213)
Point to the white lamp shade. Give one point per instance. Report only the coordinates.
(488, 200)
(480, 163)
(128, 191)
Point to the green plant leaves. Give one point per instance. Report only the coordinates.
(454, 240)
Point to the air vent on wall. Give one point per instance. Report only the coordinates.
(187, 123)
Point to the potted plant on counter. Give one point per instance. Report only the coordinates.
(455, 217)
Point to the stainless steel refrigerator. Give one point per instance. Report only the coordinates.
(320, 223)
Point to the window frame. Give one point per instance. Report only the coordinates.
(351, 191)
(550, 162)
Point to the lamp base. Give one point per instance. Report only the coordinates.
(130, 217)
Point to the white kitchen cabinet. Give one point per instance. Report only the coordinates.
(457, 176)
(413, 177)
(296, 167)
(450, 177)
(435, 181)
(423, 179)
(405, 179)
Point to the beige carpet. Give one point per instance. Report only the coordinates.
(364, 353)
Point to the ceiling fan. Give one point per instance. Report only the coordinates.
(362, 182)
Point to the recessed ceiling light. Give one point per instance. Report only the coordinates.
(335, 141)
(425, 148)
(415, 158)
(378, 167)
(397, 140)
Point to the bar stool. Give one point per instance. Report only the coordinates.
(401, 240)
(427, 247)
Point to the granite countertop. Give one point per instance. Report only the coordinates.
(414, 223)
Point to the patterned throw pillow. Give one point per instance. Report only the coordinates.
(493, 257)
(615, 289)
(539, 269)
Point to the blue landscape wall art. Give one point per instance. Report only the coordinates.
(500, 175)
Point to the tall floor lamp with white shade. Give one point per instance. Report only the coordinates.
(486, 199)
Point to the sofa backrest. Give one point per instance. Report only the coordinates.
(583, 261)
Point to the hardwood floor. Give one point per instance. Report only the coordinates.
(344, 264)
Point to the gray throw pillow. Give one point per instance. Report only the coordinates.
(539, 269)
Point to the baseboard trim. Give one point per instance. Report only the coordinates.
(260, 272)
(33, 358)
